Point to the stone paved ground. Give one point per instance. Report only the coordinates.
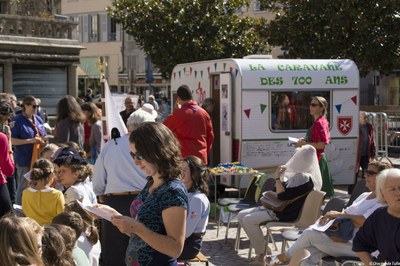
(220, 253)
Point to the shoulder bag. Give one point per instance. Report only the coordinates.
(270, 201)
(341, 230)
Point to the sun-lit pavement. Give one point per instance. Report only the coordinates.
(220, 253)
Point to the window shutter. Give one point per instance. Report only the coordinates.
(85, 35)
(104, 27)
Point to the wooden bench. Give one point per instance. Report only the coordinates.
(199, 258)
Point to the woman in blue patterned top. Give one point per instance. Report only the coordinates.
(158, 222)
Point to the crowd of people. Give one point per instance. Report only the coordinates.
(141, 179)
(148, 190)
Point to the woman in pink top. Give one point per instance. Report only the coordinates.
(6, 158)
(318, 136)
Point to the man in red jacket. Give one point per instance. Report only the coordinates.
(191, 125)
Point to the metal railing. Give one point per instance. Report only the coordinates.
(394, 132)
(379, 120)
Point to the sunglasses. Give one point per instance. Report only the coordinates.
(314, 104)
(35, 106)
(370, 173)
(136, 156)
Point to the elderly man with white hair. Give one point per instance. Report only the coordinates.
(117, 180)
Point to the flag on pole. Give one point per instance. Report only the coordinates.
(112, 117)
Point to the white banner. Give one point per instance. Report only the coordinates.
(112, 118)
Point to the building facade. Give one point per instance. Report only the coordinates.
(125, 70)
(38, 56)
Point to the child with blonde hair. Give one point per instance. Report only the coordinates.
(19, 242)
(48, 151)
(40, 201)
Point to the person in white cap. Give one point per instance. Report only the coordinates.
(149, 109)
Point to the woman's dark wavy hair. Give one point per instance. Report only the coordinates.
(158, 145)
(68, 107)
(198, 173)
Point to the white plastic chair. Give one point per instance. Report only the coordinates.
(310, 212)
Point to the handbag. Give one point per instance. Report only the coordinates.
(270, 201)
(341, 230)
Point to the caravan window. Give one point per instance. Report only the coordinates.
(291, 110)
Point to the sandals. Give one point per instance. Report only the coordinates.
(270, 260)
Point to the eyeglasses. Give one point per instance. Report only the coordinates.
(136, 156)
(370, 173)
(314, 104)
(35, 106)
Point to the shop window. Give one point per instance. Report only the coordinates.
(291, 110)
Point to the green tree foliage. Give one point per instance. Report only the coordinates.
(180, 31)
(362, 30)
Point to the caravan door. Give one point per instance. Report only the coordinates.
(225, 117)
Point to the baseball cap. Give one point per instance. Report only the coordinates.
(68, 155)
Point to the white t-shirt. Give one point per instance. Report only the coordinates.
(91, 251)
(363, 206)
(198, 212)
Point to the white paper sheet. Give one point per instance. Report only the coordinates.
(28, 175)
(103, 214)
(293, 141)
(322, 228)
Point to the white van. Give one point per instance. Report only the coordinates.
(262, 102)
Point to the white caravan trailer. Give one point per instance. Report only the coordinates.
(262, 102)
